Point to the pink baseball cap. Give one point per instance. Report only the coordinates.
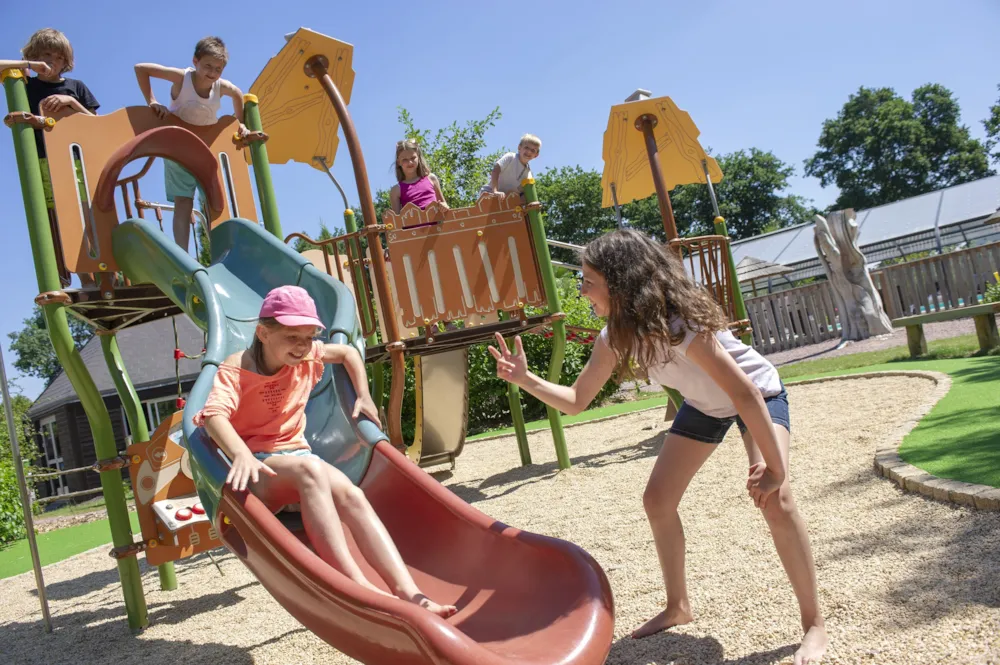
(290, 306)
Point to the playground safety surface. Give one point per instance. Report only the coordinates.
(902, 579)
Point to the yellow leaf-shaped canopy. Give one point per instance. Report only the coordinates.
(294, 110)
(626, 163)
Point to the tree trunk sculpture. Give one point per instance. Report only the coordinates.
(858, 303)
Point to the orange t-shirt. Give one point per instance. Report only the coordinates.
(268, 412)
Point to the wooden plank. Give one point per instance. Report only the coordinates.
(892, 302)
(831, 312)
(951, 276)
(909, 289)
(756, 324)
(948, 315)
(793, 339)
(809, 299)
(767, 326)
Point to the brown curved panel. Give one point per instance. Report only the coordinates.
(174, 143)
(522, 598)
(85, 236)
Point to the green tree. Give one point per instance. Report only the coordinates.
(455, 155)
(752, 196)
(33, 349)
(882, 148)
(992, 126)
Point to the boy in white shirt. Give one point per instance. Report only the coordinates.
(195, 97)
(512, 168)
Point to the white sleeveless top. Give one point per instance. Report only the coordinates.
(698, 388)
(191, 107)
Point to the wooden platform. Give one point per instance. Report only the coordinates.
(984, 315)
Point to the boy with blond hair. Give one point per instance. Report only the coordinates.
(49, 54)
(196, 98)
(512, 167)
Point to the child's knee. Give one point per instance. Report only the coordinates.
(350, 498)
(659, 501)
(312, 475)
(780, 506)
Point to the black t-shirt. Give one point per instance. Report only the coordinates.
(39, 90)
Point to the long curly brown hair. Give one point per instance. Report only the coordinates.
(648, 290)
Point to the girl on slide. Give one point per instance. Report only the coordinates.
(256, 413)
(657, 318)
(416, 183)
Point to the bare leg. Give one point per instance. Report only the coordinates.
(792, 543)
(183, 219)
(375, 542)
(305, 480)
(678, 461)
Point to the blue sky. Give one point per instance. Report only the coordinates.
(764, 73)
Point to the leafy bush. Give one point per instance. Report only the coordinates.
(11, 517)
(992, 293)
(488, 405)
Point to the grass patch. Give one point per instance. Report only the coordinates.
(592, 414)
(57, 545)
(960, 438)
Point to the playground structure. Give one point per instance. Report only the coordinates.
(524, 598)
(445, 279)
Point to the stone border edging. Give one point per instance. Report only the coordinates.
(889, 464)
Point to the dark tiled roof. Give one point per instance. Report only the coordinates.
(148, 352)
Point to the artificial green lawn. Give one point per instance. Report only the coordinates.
(58, 545)
(960, 438)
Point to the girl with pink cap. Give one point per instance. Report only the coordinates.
(256, 414)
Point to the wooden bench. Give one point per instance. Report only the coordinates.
(983, 315)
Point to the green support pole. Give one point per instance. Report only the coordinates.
(741, 308)
(43, 252)
(136, 424)
(262, 169)
(558, 327)
(378, 379)
(517, 411)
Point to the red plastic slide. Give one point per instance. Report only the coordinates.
(522, 598)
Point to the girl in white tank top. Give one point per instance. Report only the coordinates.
(660, 320)
(191, 107)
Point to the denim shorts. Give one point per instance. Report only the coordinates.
(298, 452)
(694, 424)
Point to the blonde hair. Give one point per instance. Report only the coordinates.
(49, 39)
(530, 139)
(422, 168)
(211, 46)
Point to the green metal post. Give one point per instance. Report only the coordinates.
(136, 424)
(378, 380)
(558, 327)
(741, 308)
(43, 252)
(517, 412)
(262, 169)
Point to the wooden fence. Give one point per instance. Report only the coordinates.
(944, 281)
(808, 314)
(792, 318)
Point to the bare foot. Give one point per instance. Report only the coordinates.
(813, 646)
(668, 618)
(443, 611)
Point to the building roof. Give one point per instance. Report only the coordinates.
(752, 268)
(148, 353)
(952, 205)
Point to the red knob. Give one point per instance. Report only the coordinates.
(182, 515)
(198, 509)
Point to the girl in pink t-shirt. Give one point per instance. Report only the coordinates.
(256, 413)
(417, 185)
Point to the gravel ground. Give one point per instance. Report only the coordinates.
(902, 579)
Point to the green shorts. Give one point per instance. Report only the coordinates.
(50, 201)
(178, 181)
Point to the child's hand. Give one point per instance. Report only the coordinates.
(39, 67)
(365, 405)
(510, 367)
(160, 110)
(246, 469)
(243, 131)
(51, 104)
(762, 483)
